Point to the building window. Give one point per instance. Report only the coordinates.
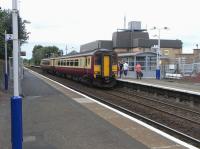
(166, 52)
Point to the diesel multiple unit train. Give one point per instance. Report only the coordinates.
(98, 67)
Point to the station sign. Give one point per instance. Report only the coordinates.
(8, 37)
(23, 53)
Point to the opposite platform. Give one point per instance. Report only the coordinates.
(174, 85)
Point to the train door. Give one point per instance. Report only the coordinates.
(106, 65)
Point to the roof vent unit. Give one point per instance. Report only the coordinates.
(134, 25)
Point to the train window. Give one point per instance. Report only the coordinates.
(76, 62)
(58, 62)
(67, 62)
(98, 60)
(71, 62)
(64, 63)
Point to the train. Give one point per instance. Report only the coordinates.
(98, 67)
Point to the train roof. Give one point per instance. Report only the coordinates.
(80, 54)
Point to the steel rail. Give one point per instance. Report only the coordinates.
(168, 104)
(161, 110)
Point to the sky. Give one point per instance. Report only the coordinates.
(72, 23)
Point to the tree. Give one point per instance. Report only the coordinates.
(39, 52)
(6, 24)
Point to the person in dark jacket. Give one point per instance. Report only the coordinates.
(120, 69)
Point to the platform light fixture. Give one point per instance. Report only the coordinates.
(158, 51)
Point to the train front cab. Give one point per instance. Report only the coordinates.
(105, 69)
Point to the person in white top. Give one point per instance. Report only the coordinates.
(125, 67)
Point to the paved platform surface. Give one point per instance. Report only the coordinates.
(4, 120)
(57, 118)
(171, 83)
(53, 121)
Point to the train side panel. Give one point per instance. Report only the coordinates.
(98, 68)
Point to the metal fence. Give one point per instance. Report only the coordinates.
(174, 68)
(182, 69)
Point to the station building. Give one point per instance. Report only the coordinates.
(133, 45)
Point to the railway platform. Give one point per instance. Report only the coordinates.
(168, 84)
(56, 117)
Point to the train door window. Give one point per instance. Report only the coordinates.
(52, 62)
(86, 62)
(55, 63)
(80, 62)
(61, 62)
(58, 62)
(83, 62)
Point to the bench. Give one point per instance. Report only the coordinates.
(173, 76)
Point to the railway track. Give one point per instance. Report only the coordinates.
(158, 125)
(123, 101)
(171, 109)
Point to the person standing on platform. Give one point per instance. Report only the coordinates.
(125, 67)
(120, 69)
(138, 69)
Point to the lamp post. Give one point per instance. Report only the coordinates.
(158, 52)
(16, 100)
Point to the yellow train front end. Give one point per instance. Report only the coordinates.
(105, 69)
